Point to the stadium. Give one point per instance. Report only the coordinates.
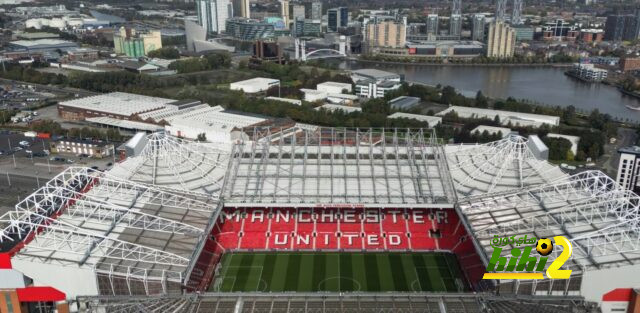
(314, 219)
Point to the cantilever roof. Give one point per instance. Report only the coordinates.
(306, 167)
(600, 218)
(506, 164)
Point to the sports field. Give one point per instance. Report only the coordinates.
(315, 271)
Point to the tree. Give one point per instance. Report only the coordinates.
(165, 53)
(201, 137)
(481, 100)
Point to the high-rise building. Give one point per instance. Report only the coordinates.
(249, 29)
(477, 27)
(316, 10)
(516, 16)
(455, 25)
(127, 41)
(336, 18)
(213, 14)
(622, 27)
(387, 33)
(298, 12)
(501, 7)
(629, 167)
(245, 8)
(284, 12)
(501, 40)
(432, 24)
(306, 27)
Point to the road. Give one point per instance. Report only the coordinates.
(609, 161)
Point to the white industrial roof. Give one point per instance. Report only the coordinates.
(256, 80)
(213, 118)
(492, 130)
(334, 84)
(41, 42)
(523, 119)
(334, 107)
(431, 120)
(118, 103)
(116, 122)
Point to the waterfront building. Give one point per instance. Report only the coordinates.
(455, 25)
(127, 41)
(432, 24)
(373, 83)
(316, 10)
(213, 14)
(249, 29)
(589, 72)
(387, 33)
(629, 167)
(501, 40)
(629, 64)
(337, 18)
(477, 27)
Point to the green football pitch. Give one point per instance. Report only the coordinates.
(315, 271)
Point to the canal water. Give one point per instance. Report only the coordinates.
(543, 85)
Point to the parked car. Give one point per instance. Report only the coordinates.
(24, 143)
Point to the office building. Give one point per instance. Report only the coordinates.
(477, 27)
(316, 10)
(249, 29)
(337, 18)
(621, 27)
(559, 31)
(387, 33)
(373, 83)
(213, 14)
(629, 64)
(284, 12)
(432, 24)
(524, 33)
(455, 25)
(94, 149)
(591, 35)
(298, 12)
(133, 44)
(245, 8)
(308, 28)
(629, 167)
(501, 40)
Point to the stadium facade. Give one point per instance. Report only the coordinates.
(152, 233)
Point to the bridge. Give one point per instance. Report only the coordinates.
(301, 53)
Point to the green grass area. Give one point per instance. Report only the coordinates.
(310, 272)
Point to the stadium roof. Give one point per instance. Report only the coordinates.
(306, 167)
(600, 218)
(506, 164)
(117, 228)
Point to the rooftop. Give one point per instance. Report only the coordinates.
(334, 107)
(631, 150)
(338, 166)
(515, 118)
(41, 42)
(118, 103)
(375, 73)
(431, 120)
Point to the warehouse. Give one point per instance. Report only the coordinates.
(41, 45)
(255, 85)
(118, 105)
(334, 87)
(506, 117)
(432, 121)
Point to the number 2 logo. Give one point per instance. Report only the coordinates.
(554, 271)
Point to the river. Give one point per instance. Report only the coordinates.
(546, 85)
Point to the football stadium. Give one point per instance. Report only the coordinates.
(314, 219)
